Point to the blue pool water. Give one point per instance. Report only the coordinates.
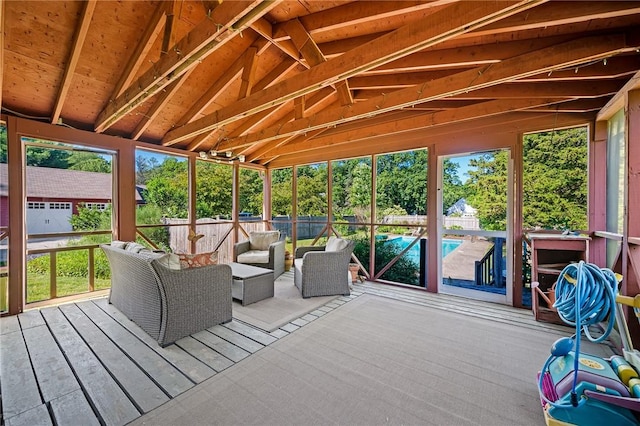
(414, 253)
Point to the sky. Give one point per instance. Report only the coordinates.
(463, 166)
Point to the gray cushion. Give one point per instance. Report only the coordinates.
(261, 240)
(254, 256)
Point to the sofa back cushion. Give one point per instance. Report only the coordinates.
(171, 261)
(197, 260)
(261, 240)
(336, 244)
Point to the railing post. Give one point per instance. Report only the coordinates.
(53, 292)
(91, 271)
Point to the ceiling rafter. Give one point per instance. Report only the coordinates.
(172, 8)
(278, 73)
(225, 22)
(351, 14)
(513, 122)
(151, 33)
(400, 125)
(312, 54)
(161, 101)
(447, 23)
(248, 71)
(264, 28)
(565, 54)
(78, 41)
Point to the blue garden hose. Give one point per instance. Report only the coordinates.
(585, 295)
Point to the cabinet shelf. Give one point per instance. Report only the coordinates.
(550, 254)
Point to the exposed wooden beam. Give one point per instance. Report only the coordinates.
(226, 22)
(617, 102)
(76, 48)
(411, 123)
(310, 52)
(515, 122)
(263, 27)
(159, 104)
(141, 51)
(248, 71)
(278, 73)
(447, 23)
(574, 52)
(268, 154)
(351, 14)
(172, 8)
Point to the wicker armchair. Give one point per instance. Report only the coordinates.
(168, 304)
(263, 249)
(323, 270)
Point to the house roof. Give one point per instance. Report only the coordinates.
(289, 82)
(45, 182)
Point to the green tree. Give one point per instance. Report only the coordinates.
(487, 184)
(555, 179)
(167, 189)
(402, 181)
(452, 188)
(47, 157)
(281, 191)
(88, 162)
(3, 143)
(213, 190)
(250, 191)
(312, 190)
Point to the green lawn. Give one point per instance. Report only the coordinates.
(38, 286)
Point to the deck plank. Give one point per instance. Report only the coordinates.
(73, 409)
(192, 367)
(204, 353)
(221, 346)
(19, 386)
(160, 370)
(259, 336)
(9, 324)
(235, 338)
(30, 319)
(145, 394)
(53, 373)
(109, 400)
(37, 416)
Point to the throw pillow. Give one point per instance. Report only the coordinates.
(197, 260)
(261, 240)
(135, 247)
(119, 244)
(171, 261)
(336, 244)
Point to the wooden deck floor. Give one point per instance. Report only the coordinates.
(84, 363)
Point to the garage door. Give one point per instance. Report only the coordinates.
(45, 218)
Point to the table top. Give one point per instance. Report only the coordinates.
(240, 270)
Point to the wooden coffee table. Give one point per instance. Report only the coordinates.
(250, 283)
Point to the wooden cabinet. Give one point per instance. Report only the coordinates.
(550, 253)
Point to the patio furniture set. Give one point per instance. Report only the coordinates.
(172, 296)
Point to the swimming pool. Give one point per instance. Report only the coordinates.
(414, 253)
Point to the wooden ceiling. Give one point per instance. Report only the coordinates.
(289, 82)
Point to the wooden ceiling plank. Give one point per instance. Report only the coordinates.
(293, 140)
(312, 54)
(276, 74)
(141, 51)
(159, 104)
(573, 52)
(226, 21)
(399, 125)
(447, 23)
(76, 49)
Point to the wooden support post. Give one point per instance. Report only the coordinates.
(432, 223)
(17, 228)
(597, 191)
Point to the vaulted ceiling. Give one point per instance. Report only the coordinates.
(288, 82)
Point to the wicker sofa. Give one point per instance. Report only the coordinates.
(323, 270)
(168, 304)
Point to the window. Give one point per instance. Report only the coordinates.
(59, 206)
(35, 206)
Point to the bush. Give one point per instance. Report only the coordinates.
(403, 271)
